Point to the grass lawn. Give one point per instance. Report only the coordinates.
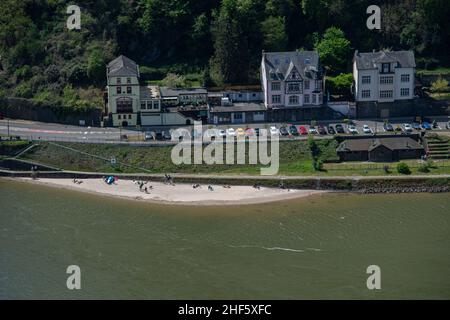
(295, 159)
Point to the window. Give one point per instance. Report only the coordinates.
(119, 117)
(365, 94)
(404, 92)
(386, 80)
(119, 81)
(293, 99)
(386, 68)
(129, 90)
(365, 79)
(314, 98)
(293, 87)
(306, 98)
(129, 116)
(318, 85)
(129, 80)
(119, 90)
(238, 116)
(276, 98)
(124, 105)
(306, 84)
(143, 105)
(276, 86)
(386, 94)
(405, 78)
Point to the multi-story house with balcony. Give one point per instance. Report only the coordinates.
(383, 76)
(291, 79)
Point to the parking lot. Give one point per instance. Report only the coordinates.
(317, 128)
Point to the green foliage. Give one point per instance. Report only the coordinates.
(341, 84)
(334, 49)
(173, 80)
(274, 33)
(440, 85)
(403, 168)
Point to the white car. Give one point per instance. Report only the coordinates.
(407, 127)
(366, 129)
(221, 133)
(274, 131)
(231, 132)
(313, 130)
(352, 129)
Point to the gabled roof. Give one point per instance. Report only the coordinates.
(368, 60)
(370, 143)
(122, 67)
(278, 65)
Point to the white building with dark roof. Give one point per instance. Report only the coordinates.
(123, 91)
(383, 76)
(291, 79)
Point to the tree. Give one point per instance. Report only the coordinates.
(274, 33)
(340, 85)
(173, 80)
(334, 49)
(440, 85)
(96, 66)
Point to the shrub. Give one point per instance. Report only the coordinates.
(424, 168)
(403, 168)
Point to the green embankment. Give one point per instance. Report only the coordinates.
(295, 159)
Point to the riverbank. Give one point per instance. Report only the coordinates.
(179, 193)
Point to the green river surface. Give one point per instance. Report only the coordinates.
(309, 248)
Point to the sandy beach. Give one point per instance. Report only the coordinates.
(176, 194)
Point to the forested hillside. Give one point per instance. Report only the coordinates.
(210, 41)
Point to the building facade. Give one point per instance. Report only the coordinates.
(291, 79)
(383, 76)
(123, 92)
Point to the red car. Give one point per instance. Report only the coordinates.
(303, 130)
(249, 132)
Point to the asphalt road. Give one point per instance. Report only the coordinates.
(58, 132)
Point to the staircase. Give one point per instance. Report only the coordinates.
(438, 147)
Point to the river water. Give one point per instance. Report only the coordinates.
(309, 248)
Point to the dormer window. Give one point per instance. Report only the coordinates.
(386, 68)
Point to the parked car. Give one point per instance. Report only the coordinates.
(166, 135)
(293, 130)
(416, 126)
(426, 126)
(312, 130)
(322, 129)
(366, 129)
(388, 127)
(352, 129)
(398, 128)
(149, 136)
(303, 130)
(240, 132)
(407, 127)
(231, 132)
(284, 131)
(274, 131)
(221, 133)
(435, 125)
(340, 128)
(448, 125)
(331, 130)
(249, 132)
